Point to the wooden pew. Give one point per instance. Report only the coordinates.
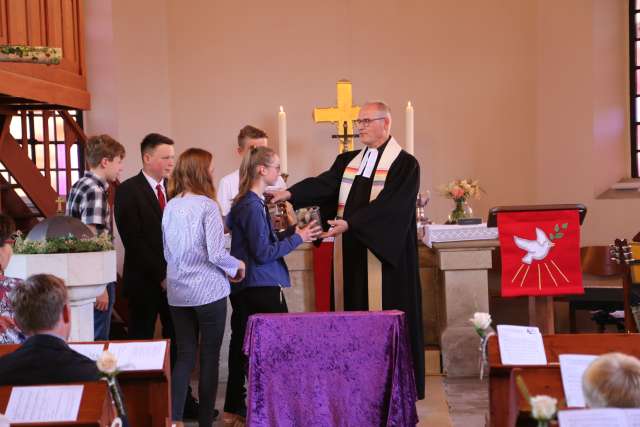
(147, 394)
(96, 408)
(505, 401)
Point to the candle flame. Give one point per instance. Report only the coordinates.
(281, 109)
(409, 104)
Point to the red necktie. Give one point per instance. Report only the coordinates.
(161, 198)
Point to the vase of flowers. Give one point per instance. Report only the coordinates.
(460, 191)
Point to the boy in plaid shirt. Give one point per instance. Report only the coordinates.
(88, 201)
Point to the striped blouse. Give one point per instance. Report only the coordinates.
(194, 247)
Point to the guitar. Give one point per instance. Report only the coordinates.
(621, 254)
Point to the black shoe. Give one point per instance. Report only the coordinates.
(191, 412)
(191, 408)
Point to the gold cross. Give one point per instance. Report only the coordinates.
(60, 202)
(343, 112)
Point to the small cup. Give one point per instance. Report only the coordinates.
(308, 214)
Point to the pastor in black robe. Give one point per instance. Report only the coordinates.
(387, 227)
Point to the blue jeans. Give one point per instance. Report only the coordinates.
(102, 319)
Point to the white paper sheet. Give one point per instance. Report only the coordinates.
(633, 417)
(139, 356)
(44, 403)
(572, 366)
(92, 351)
(604, 417)
(521, 345)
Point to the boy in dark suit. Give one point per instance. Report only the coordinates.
(138, 213)
(139, 203)
(42, 311)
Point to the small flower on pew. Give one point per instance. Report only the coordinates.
(482, 324)
(107, 364)
(543, 408)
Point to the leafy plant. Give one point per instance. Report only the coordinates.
(69, 244)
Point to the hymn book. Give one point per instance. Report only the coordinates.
(139, 356)
(521, 345)
(44, 403)
(605, 417)
(572, 367)
(92, 351)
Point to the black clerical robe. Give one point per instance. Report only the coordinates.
(387, 227)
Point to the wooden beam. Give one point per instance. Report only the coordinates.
(36, 186)
(39, 90)
(74, 126)
(45, 144)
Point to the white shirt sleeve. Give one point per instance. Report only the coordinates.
(281, 184)
(225, 194)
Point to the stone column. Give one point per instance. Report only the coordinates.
(85, 275)
(464, 270)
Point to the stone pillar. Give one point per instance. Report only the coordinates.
(464, 270)
(84, 273)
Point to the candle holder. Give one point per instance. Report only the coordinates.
(422, 220)
(421, 203)
(285, 176)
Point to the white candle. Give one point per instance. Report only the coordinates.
(282, 139)
(409, 128)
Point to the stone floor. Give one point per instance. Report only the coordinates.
(460, 402)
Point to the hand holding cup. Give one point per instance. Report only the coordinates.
(309, 232)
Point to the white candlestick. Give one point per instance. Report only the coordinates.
(282, 139)
(409, 128)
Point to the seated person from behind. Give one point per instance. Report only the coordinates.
(612, 381)
(42, 312)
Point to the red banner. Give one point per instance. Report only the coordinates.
(322, 267)
(540, 253)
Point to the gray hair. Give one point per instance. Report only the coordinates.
(38, 302)
(612, 380)
(381, 106)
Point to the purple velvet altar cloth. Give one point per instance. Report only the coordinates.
(330, 369)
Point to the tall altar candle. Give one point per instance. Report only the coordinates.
(408, 135)
(282, 140)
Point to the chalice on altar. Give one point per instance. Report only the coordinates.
(421, 203)
(421, 217)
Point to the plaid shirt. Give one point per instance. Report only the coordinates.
(88, 201)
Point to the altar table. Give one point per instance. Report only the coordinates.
(321, 369)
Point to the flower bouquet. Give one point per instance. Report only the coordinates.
(460, 191)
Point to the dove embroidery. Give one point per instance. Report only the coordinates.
(536, 249)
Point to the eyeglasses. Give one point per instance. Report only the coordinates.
(273, 166)
(366, 122)
(12, 239)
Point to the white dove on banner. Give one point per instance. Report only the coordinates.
(536, 249)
